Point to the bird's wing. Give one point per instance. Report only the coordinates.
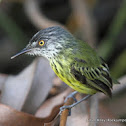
(94, 76)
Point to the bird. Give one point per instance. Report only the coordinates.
(73, 61)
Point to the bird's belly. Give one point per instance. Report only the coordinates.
(76, 85)
(64, 74)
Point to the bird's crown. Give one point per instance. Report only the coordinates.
(48, 42)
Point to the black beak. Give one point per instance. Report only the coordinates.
(25, 50)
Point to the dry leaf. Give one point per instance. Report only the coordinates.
(46, 109)
(11, 117)
(29, 88)
(41, 85)
(16, 88)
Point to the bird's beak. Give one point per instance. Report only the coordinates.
(25, 50)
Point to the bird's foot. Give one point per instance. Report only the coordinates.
(69, 107)
(71, 95)
(66, 107)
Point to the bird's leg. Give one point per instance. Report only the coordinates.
(74, 104)
(71, 95)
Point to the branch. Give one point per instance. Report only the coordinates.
(65, 113)
(35, 15)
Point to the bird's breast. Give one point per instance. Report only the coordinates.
(62, 69)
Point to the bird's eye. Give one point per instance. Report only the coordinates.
(41, 43)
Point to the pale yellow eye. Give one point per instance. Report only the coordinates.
(41, 43)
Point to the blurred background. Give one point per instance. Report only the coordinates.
(101, 23)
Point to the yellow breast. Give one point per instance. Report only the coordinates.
(62, 70)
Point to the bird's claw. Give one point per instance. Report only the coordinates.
(69, 106)
(71, 96)
(72, 105)
(75, 100)
(65, 107)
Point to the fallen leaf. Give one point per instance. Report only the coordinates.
(12, 117)
(41, 85)
(16, 88)
(46, 109)
(27, 90)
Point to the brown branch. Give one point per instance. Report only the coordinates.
(64, 114)
(36, 16)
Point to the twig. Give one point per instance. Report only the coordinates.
(36, 16)
(65, 113)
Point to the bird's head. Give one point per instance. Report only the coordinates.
(47, 42)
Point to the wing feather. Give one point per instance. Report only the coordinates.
(96, 77)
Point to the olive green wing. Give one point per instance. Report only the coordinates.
(94, 76)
